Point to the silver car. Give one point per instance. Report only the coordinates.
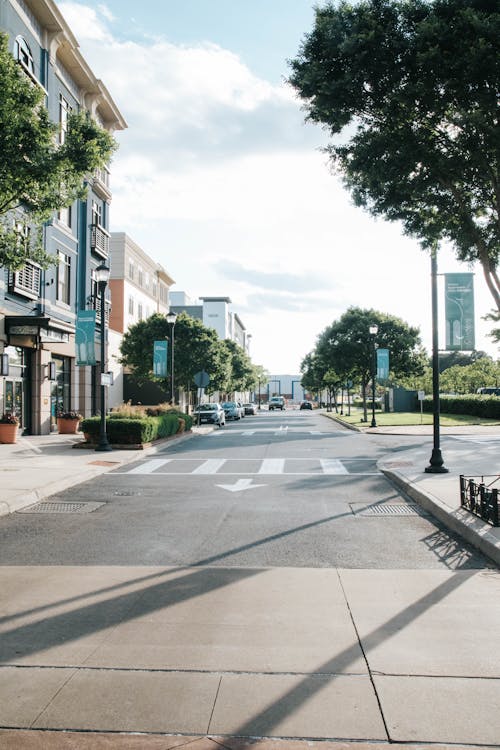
(232, 410)
(210, 414)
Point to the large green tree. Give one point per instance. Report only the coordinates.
(39, 175)
(346, 346)
(412, 88)
(196, 348)
(242, 371)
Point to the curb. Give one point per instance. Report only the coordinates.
(35, 496)
(343, 424)
(467, 526)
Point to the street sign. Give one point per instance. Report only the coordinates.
(160, 353)
(202, 379)
(421, 395)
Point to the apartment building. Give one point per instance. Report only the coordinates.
(139, 287)
(214, 312)
(38, 309)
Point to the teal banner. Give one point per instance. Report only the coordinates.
(382, 364)
(85, 337)
(160, 354)
(459, 311)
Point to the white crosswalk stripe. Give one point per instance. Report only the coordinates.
(150, 466)
(210, 467)
(272, 466)
(333, 466)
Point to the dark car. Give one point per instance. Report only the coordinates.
(210, 414)
(306, 405)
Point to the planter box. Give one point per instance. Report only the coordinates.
(67, 426)
(8, 433)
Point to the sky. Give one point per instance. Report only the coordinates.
(220, 179)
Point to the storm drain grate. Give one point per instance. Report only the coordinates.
(61, 508)
(126, 493)
(400, 509)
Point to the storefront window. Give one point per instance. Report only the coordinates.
(61, 388)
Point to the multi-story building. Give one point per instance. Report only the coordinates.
(214, 312)
(38, 309)
(139, 287)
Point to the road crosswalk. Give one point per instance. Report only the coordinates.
(251, 466)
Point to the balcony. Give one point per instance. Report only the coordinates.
(25, 282)
(99, 241)
(101, 183)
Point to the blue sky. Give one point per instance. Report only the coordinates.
(220, 180)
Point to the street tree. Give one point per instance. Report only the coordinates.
(347, 346)
(41, 172)
(242, 376)
(196, 348)
(409, 92)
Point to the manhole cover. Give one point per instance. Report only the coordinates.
(401, 509)
(126, 493)
(61, 508)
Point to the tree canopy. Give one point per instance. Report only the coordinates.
(39, 174)
(196, 348)
(412, 88)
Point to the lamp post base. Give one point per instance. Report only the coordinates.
(104, 447)
(436, 464)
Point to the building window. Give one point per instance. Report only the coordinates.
(163, 294)
(65, 216)
(96, 214)
(154, 289)
(23, 55)
(140, 276)
(64, 111)
(131, 269)
(130, 305)
(139, 311)
(63, 278)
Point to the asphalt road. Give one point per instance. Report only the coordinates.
(287, 489)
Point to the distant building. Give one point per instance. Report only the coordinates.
(216, 313)
(287, 386)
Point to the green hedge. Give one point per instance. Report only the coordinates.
(131, 431)
(487, 407)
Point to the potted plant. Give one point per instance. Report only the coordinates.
(68, 422)
(8, 428)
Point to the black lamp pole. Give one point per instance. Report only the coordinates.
(436, 460)
(102, 278)
(258, 381)
(373, 333)
(171, 318)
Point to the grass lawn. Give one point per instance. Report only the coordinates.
(398, 419)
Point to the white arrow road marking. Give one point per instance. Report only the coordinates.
(240, 484)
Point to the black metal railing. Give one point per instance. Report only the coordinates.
(480, 498)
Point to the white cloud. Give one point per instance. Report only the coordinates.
(218, 170)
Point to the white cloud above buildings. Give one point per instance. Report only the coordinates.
(219, 179)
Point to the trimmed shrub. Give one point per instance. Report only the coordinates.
(125, 430)
(486, 407)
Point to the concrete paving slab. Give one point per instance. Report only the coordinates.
(132, 701)
(440, 709)
(26, 692)
(46, 740)
(297, 706)
(425, 622)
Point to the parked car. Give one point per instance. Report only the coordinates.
(277, 402)
(210, 414)
(231, 410)
(306, 405)
(242, 408)
(250, 408)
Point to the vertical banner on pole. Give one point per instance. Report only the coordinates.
(85, 337)
(459, 311)
(160, 353)
(382, 364)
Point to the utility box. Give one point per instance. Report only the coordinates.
(399, 399)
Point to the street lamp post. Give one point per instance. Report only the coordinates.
(258, 381)
(373, 333)
(171, 318)
(102, 279)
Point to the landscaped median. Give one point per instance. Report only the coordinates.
(403, 419)
(136, 427)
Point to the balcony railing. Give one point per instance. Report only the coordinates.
(26, 281)
(99, 241)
